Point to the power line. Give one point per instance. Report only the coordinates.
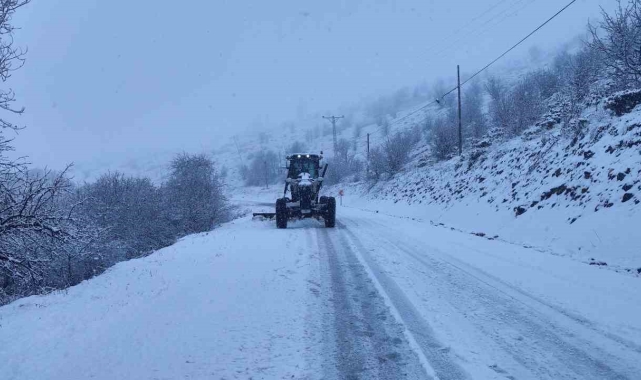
(416, 111)
(487, 11)
(520, 42)
(506, 13)
(486, 66)
(467, 25)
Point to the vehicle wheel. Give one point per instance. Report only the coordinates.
(322, 200)
(330, 215)
(281, 213)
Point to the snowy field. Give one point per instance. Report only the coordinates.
(376, 297)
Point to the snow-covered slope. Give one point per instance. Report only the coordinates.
(566, 196)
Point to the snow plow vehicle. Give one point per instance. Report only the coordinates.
(304, 182)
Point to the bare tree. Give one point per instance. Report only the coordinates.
(577, 74)
(38, 223)
(34, 224)
(397, 149)
(194, 194)
(515, 108)
(131, 211)
(525, 105)
(472, 111)
(396, 153)
(377, 163)
(54, 235)
(11, 57)
(500, 108)
(443, 138)
(618, 38)
(263, 169)
(343, 164)
(545, 82)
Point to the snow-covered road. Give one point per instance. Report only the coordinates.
(486, 309)
(376, 297)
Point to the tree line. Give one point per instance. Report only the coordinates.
(607, 61)
(55, 233)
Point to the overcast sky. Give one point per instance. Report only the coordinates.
(114, 78)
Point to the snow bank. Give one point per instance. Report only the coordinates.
(213, 305)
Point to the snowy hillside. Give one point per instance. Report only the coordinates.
(565, 196)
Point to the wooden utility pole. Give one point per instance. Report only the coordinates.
(333, 120)
(367, 155)
(460, 124)
(368, 147)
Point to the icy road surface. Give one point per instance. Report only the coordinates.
(377, 297)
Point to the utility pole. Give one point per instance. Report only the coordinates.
(460, 124)
(333, 120)
(367, 156)
(368, 147)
